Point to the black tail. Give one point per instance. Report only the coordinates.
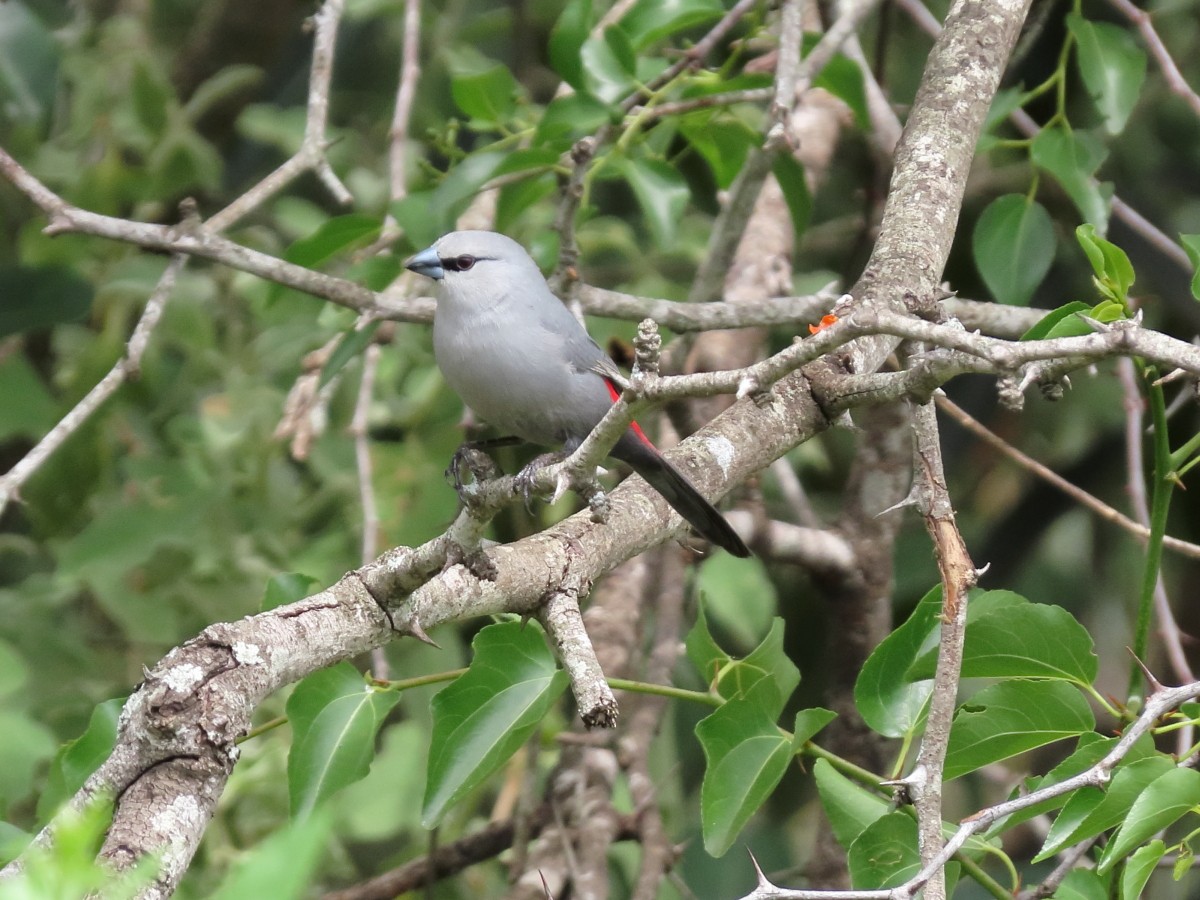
(679, 492)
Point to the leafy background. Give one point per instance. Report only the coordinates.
(176, 507)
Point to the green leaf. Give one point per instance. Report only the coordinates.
(1061, 322)
(1083, 884)
(76, 760)
(152, 98)
(702, 649)
(353, 343)
(269, 124)
(1089, 750)
(1073, 157)
(1113, 67)
(1140, 867)
(569, 118)
(849, 806)
(1013, 717)
(29, 410)
(376, 272)
(283, 866)
(227, 83)
(13, 672)
(42, 297)
(652, 20)
(767, 662)
(746, 758)
(13, 842)
(808, 723)
(1004, 104)
(29, 75)
(335, 716)
(608, 65)
(1013, 245)
(333, 237)
(723, 140)
(1191, 243)
(285, 588)
(27, 744)
(771, 658)
(662, 194)
(885, 855)
(482, 88)
(843, 78)
(566, 41)
(427, 215)
(886, 700)
(738, 679)
(1090, 811)
(518, 196)
(739, 598)
(483, 718)
(1167, 799)
(790, 175)
(531, 159)
(1113, 270)
(1031, 640)
(68, 868)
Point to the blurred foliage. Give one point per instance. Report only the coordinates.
(175, 506)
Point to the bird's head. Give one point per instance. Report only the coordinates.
(474, 260)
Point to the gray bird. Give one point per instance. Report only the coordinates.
(518, 357)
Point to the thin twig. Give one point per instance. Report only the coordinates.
(311, 155)
(1157, 705)
(126, 367)
(958, 577)
(1174, 78)
(1080, 496)
(1136, 485)
(1154, 235)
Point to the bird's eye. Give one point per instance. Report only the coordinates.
(459, 263)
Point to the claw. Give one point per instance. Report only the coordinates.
(524, 481)
(478, 463)
(561, 486)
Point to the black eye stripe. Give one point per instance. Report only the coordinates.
(462, 263)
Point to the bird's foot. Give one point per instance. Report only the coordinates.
(524, 482)
(471, 455)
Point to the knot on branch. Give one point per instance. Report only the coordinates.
(1010, 394)
(176, 714)
(647, 347)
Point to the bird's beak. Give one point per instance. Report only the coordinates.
(427, 263)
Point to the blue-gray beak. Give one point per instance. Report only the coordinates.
(427, 263)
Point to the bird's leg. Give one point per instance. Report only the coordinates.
(474, 455)
(588, 487)
(523, 482)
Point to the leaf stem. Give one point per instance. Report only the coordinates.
(665, 690)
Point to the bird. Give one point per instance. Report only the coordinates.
(516, 356)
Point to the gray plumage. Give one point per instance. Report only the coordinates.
(518, 357)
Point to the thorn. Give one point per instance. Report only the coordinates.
(910, 500)
(1156, 686)
(413, 627)
(1173, 375)
(763, 881)
(1095, 324)
(844, 421)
